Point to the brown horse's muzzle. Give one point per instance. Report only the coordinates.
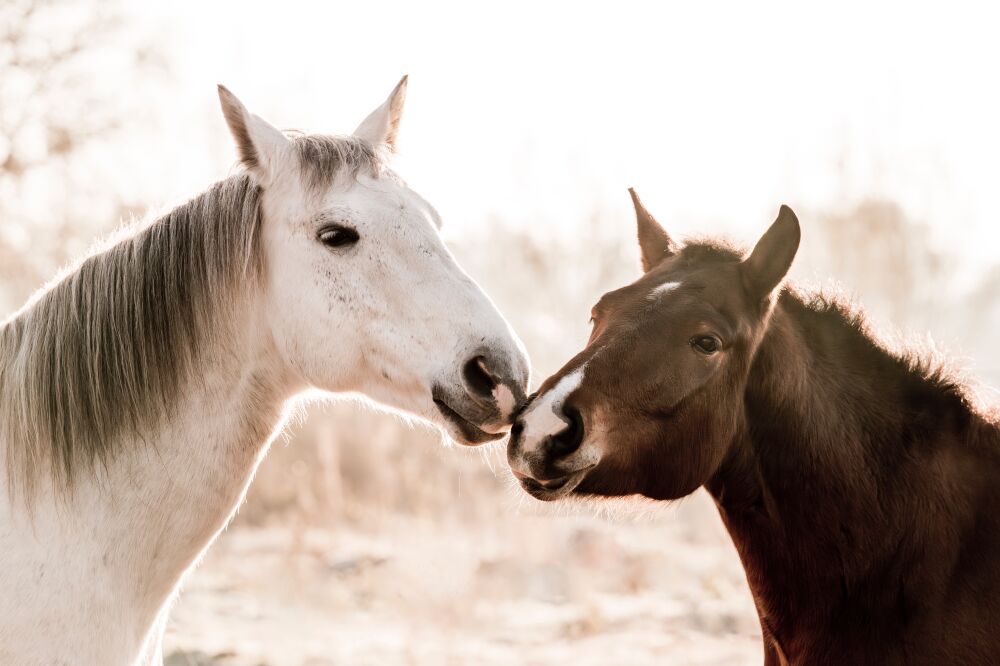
(544, 449)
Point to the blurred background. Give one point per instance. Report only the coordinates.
(364, 540)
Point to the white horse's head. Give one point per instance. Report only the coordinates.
(361, 294)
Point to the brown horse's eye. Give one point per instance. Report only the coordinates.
(706, 344)
(337, 236)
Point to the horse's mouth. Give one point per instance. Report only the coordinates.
(471, 434)
(548, 490)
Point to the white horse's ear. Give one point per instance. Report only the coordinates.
(381, 126)
(262, 147)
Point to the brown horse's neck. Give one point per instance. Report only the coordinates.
(854, 487)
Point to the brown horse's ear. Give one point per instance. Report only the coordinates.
(771, 258)
(654, 243)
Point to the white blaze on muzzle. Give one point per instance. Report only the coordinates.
(545, 417)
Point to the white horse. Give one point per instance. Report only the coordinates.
(140, 391)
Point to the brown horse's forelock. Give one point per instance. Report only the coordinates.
(104, 352)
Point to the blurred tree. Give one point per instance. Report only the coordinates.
(884, 258)
(983, 324)
(546, 280)
(68, 70)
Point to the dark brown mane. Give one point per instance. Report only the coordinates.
(864, 476)
(920, 363)
(821, 309)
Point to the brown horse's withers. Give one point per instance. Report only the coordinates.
(860, 485)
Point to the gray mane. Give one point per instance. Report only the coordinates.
(105, 350)
(323, 157)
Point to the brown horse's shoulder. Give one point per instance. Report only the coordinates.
(868, 476)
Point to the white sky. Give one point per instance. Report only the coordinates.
(541, 113)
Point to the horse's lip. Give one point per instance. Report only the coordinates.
(548, 490)
(470, 432)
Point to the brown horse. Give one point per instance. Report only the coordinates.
(861, 486)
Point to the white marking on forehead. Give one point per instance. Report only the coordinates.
(543, 417)
(662, 289)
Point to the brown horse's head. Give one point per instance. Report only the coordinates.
(652, 403)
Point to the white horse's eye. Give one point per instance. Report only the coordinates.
(337, 236)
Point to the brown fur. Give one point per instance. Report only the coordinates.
(860, 485)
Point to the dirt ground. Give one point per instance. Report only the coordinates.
(541, 587)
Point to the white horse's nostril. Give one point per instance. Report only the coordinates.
(487, 381)
(478, 379)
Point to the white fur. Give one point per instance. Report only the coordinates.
(89, 580)
(382, 124)
(662, 289)
(273, 150)
(504, 398)
(543, 417)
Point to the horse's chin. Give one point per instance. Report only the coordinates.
(552, 489)
(466, 436)
(462, 430)
(498, 429)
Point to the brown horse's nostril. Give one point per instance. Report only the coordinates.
(567, 441)
(478, 379)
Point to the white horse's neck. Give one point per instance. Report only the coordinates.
(117, 551)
